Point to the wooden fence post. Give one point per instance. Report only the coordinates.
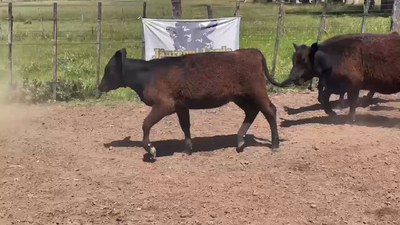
(123, 17)
(391, 22)
(209, 12)
(396, 16)
(99, 16)
(364, 20)
(319, 37)
(283, 26)
(143, 41)
(278, 37)
(322, 23)
(10, 41)
(41, 23)
(55, 37)
(82, 17)
(176, 9)
(237, 11)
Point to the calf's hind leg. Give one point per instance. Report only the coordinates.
(156, 114)
(368, 99)
(251, 110)
(341, 101)
(184, 121)
(269, 111)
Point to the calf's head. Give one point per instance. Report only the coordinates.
(113, 77)
(303, 62)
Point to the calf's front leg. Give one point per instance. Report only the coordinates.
(157, 112)
(353, 98)
(326, 104)
(320, 91)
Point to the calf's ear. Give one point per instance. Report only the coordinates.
(120, 57)
(123, 53)
(295, 46)
(314, 48)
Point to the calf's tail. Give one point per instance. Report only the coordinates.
(266, 73)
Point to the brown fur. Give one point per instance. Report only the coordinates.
(208, 81)
(368, 61)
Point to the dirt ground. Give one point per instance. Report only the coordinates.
(84, 165)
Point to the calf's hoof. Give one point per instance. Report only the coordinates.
(153, 151)
(188, 148)
(331, 113)
(240, 146)
(351, 121)
(187, 151)
(275, 149)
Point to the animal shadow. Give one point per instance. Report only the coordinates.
(361, 120)
(200, 144)
(334, 104)
(382, 107)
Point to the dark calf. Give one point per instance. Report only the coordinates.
(350, 63)
(195, 81)
(321, 88)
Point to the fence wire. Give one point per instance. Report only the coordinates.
(32, 41)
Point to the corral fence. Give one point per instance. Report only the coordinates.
(93, 36)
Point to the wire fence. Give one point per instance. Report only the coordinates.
(85, 35)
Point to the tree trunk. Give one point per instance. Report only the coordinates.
(371, 4)
(176, 9)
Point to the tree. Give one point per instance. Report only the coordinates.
(371, 4)
(176, 9)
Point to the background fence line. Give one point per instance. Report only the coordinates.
(10, 40)
(126, 17)
(55, 48)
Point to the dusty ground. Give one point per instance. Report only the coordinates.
(57, 167)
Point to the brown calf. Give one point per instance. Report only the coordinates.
(195, 81)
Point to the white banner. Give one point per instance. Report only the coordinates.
(165, 37)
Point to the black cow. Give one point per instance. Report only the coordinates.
(195, 81)
(321, 88)
(350, 63)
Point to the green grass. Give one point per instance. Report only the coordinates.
(33, 50)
